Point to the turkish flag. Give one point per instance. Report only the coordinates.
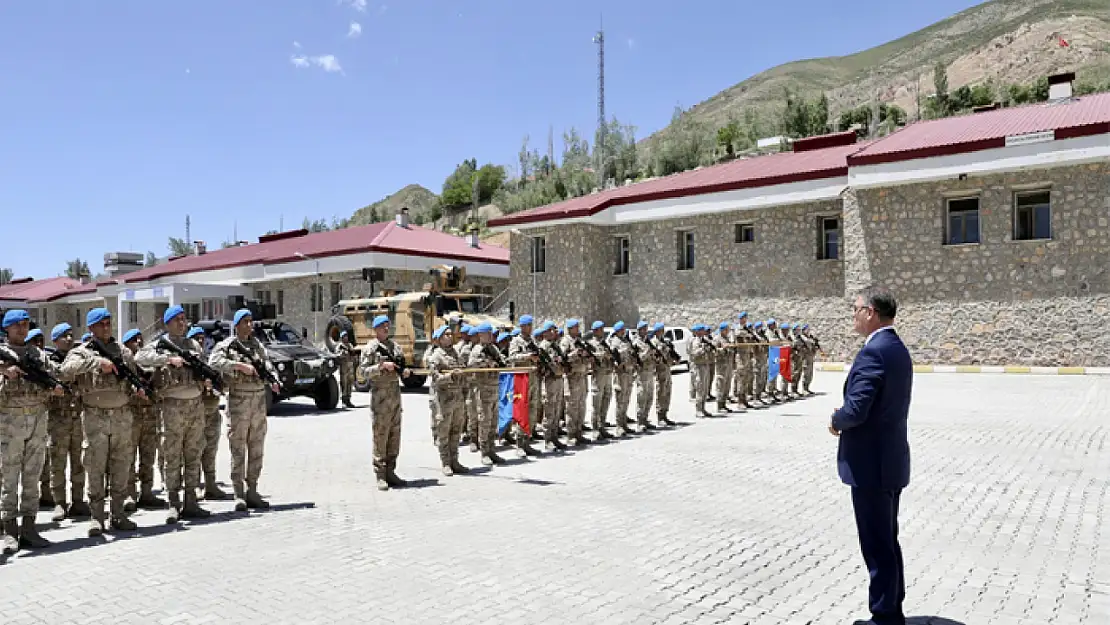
(513, 402)
(784, 363)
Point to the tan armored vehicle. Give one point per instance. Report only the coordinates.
(413, 317)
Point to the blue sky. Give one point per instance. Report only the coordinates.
(120, 117)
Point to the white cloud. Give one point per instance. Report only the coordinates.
(328, 63)
(299, 60)
(355, 30)
(358, 5)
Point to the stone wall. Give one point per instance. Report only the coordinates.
(574, 281)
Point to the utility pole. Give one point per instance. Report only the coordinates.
(599, 39)
(188, 233)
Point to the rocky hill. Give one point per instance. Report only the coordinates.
(420, 202)
(1005, 41)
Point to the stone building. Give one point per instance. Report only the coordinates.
(991, 228)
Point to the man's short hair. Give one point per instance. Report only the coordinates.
(881, 300)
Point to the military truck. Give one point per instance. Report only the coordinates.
(413, 317)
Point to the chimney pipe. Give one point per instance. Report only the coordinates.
(202, 248)
(472, 239)
(403, 218)
(1060, 86)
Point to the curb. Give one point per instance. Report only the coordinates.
(841, 367)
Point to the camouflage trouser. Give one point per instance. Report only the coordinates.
(663, 384)
(622, 388)
(552, 399)
(759, 383)
(485, 400)
(44, 478)
(449, 426)
(346, 378)
(145, 436)
(108, 435)
(385, 408)
(577, 388)
(212, 420)
(693, 381)
(182, 442)
(740, 376)
(22, 452)
(601, 386)
(807, 369)
(434, 416)
(724, 382)
(470, 403)
(66, 442)
(645, 388)
(246, 436)
(702, 390)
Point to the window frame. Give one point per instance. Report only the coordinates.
(623, 254)
(1017, 195)
(132, 312)
(280, 302)
(685, 249)
(948, 219)
(738, 228)
(316, 297)
(822, 239)
(335, 291)
(538, 254)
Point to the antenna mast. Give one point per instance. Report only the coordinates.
(599, 148)
(188, 235)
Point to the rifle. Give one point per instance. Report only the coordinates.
(259, 366)
(494, 353)
(635, 354)
(614, 354)
(123, 371)
(580, 344)
(545, 359)
(399, 364)
(198, 366)
(34, 373)
(671, 351)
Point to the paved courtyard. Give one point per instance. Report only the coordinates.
(729, 520)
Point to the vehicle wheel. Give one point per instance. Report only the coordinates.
(337, 324)
(414, 381)
(327, 394)
(269, 401)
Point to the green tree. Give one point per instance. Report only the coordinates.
(77, 269)
(318, 225)
(151, 259)
(727, 137)
(178, 247)
(457, 187)
(5, 276)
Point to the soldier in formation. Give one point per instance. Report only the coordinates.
(443, 364)
(212, 419)
(345, 355)
(65, 439)
(146, 439)
(383, 364)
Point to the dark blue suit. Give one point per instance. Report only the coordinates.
(874, 459)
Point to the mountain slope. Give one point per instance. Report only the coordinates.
(416, 198)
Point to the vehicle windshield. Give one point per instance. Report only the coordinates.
(282, 333)
(465, 305)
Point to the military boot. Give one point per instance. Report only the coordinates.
(129, 504)
(240, 498)
(148, 501)
(394, 481)
(383, 484)
(175, 508)
(59, 513)
(458, 468)
(79, 509)
(11, 536)
(192, 509)
(212, 492)
(123, 524)
(528, 449)
(347, 402)
(255, 501)
(29, 535)
(46, 501)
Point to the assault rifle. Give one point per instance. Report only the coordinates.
(123, 371)
(545, 359)
(580, 344)
(198, 366)
(259, 366)
(33, 372)
(389, 357)
(671, 351)
(614, 354)
(495, 353)
(635, 354)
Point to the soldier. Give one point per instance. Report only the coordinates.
(667, 358)
(462, 348)
(145, 439)
(601, 381)
(772, 334)
(383, 364)
(443, 363)
(578, 361)
(759, 381)
(552, 387)
(625, 371)
(212, 419)
(46, 499)
(813, 346)
(701, 354)
(238, 358)
(470, 390)
(345, 354)
(523, 353)
(741, 362)
(645, 374)
(723, 358)
(106, 395)
(433, 399)
(749, 374)
(66, 439)
(484, 355)
(180, 390)
(23, 417)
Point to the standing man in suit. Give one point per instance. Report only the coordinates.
(874, 452)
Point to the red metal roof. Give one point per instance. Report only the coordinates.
(44, 290)
(380, 237)
(761, 171)
(1087, 115)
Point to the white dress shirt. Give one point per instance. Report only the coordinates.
(872, 335)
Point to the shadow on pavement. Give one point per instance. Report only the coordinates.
(932, 620)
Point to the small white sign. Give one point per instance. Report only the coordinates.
(1031, 137)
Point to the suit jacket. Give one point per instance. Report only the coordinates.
(874, 449)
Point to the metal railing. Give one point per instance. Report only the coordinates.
(501, 300)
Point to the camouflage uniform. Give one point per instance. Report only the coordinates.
(645, 378)
(246, 416)
(433, 401)
(622, 379)
(812, 347)
(470, 429)
(552, 395)
(23, 437)
(345, 355)
(107, 425)
(701, 355)
(212, 419)
(66, 443)
(521, 354)
(385, 408)
(485, 355)
(723, 358)
(663, 382)
(448, 392)
(576, 371)
(601, 383)
(183, 416)
(146, 440)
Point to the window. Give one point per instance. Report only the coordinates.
(263, 297)
(685, 244)
(213, 308)
(828, 238)
(280, 302)
(963, 221)
(539, 254)
(132, 312)
(316, 294)
(336, 292)
(1032, 216)
(192, 312)
(621, 256)
(745, 233)
(159, 311)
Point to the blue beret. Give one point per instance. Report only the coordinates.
(59, 330)
(131, 335)
(805, 326)
(13, 317)
(537, 332)
(572, 323)
(501, 336)
(597, 325)
(758, 324)
(473, 331)
(172, 312)
(97, 315)
(526, 320)
(658, 327)
(642, 324)
(466, 328)
(742, 315)
(548, 325)
(86, 336)
(193, 331)
(723, 326)
(748, 325)
(379, 320)
(618, 326)
(438, 333)
(515, 332)
(239, 314)
(770, 321)
(484, 327)
(32, 334)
